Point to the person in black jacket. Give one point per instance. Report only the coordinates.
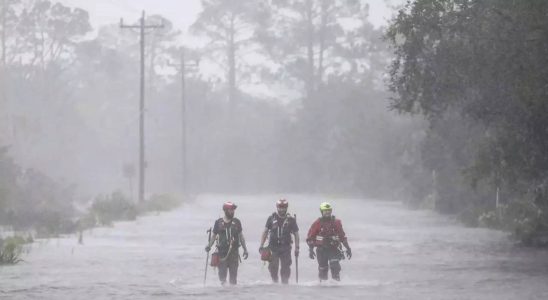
(227, 231)
(279, 227)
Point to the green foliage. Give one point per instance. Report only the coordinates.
(40, 41)
(115, 207)
(9, 172)
(11, 249)
(526, 221)
(54, 223)
(229, 26)
(87, 221)
(490, 219)
(345, 142)
(30, 199)
(328, 142)
(107, 209)
(310, 43)
(476, 70)
(470, 216)
(158, 203)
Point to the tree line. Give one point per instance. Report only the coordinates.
(298, 103)
(476, 71)
(318, 123)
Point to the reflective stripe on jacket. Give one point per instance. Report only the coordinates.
(326, 232)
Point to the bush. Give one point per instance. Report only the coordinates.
(52, 223)
(490, 219)
(527, 222)
(86, 221)
(159, 203)
(10, 250)
(471, 215)
(116, 207)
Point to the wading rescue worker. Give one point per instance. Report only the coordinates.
(279, 227)
(227, 231)
(327, 235)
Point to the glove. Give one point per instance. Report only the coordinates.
(245, 254)
(348, 253)
(296, 251)
(207, 248)
(311, 253)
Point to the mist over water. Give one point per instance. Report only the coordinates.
(398, 254)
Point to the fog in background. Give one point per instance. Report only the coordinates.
(294, 96)
(268, 116)
(437, 104)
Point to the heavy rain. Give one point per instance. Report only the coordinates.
(267, 149)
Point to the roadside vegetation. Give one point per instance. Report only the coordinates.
(468, 79)
(476, 72)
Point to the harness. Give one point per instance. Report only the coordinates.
(278, 231)
(227, 238)
(328, 235)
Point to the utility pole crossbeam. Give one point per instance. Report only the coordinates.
(142, 165)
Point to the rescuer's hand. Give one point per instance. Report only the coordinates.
(311, 253)
(348, 253)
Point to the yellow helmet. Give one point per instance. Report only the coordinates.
(325, 206)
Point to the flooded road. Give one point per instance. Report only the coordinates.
(397, 254)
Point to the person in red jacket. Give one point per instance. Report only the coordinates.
(327, 235)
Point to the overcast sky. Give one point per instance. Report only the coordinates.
(181, 12)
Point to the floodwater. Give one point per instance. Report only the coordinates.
(398, 254)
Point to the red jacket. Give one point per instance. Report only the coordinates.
(326, 233)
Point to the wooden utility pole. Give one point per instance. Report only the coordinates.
(3, 86)
(183, 127)
(142, 163)
(4, 16)
(184, 123)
